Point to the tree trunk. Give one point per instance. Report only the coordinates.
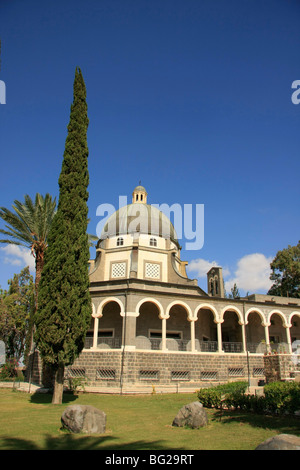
(39, 264)
(58, 385)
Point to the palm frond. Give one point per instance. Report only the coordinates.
(30, 222)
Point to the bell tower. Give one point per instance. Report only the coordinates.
(215, 284)
(139, 195)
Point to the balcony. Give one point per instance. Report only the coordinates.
(172, 344)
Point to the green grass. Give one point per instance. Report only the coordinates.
(133, 423)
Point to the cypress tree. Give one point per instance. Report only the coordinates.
(64, 304)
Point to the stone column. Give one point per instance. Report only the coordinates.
(244, 337)
(96, 327)
(129, 330)
(267, 337)
(219, 332)
(288, 337)
(164, 334)
(193, 335)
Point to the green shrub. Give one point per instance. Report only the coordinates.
(282, 397)
(225, 394)
(210, 397)
(9, 369)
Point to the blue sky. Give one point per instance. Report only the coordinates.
(191, 97)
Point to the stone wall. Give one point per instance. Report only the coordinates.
(109, 368)
(277, 367)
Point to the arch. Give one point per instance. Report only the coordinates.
(259, 312)
(209, 307)
(152, 300)
(280, 314)
(291, 316)
(232, 308)
(93, 310)
(182, 304)
(255, 330)
(105, 302)
(294, 327)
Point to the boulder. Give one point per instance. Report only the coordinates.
(280, 442)
(192, 415)
(84, 418)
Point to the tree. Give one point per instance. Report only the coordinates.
(235, 294)
(64, 304)
(16, 305)
(29, 226)
(286, 272)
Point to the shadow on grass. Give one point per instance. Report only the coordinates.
(80, 442)
(46, 398)
(285, 424)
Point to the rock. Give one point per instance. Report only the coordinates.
(84, 418)
(280, 442)
(192, 415)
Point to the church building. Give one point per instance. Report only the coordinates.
(152, 326)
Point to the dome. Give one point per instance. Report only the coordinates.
(139, 218)
(139, 188)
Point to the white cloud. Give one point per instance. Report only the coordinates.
(18, 255)
(252, 274)
(200, 266)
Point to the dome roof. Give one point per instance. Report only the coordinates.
(139, 188)
(139, 218)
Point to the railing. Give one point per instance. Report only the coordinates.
(103, 343)
(232, 347)
(173, 344)
(208, 346)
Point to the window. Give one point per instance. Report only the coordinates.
(120, 241)
(106, 333)
(152, 271)
(149, 375)
(180, 375)
(153, 242)
(106, 374)
(169, 334)
(118, 270)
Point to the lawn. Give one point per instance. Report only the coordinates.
(31, 422)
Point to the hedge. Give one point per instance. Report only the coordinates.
(279, 397)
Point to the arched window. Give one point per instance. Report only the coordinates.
(120, 241)
(153, 242)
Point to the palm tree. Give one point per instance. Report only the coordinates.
(29, 226)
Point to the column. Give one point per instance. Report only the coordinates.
(164, 334)
(267, 337)
(95, 338)
(193, 335)
(244, 337)
(219, 332)
(129, 330)
(289, 341)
